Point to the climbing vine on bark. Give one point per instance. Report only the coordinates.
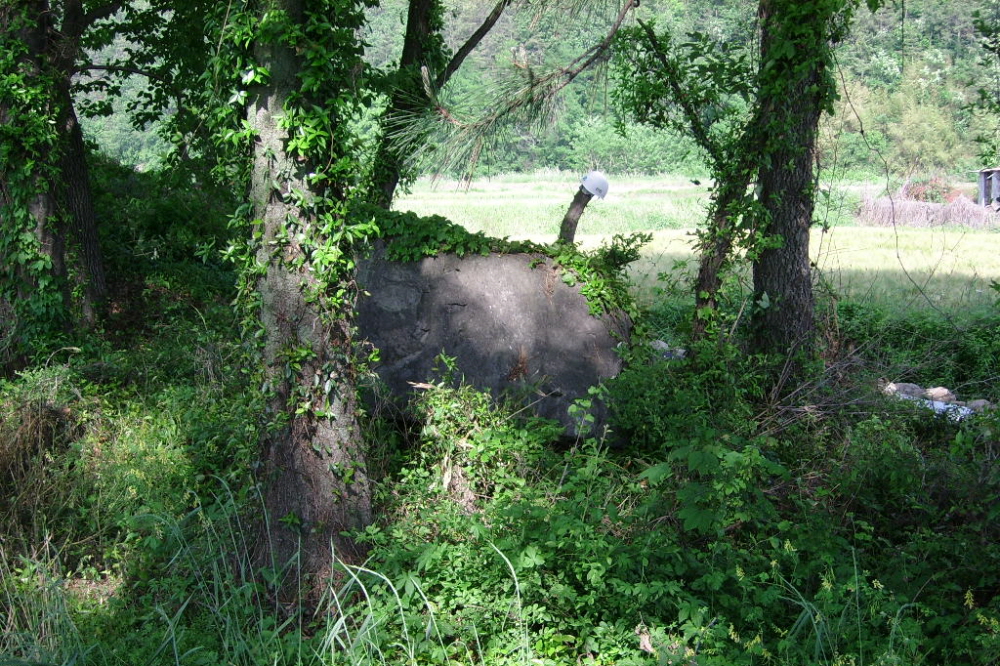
(32, 272)
(755, 117)
(290, 76)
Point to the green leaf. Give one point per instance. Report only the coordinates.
(657, 473)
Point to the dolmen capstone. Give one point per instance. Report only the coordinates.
(513, 325)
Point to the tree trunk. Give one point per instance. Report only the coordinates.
(77, 197)
(422, 47)
(63, 196)
(716, 251)
(42, 205)
(567, 230)
(408, 95)
(79, 204)
(29, 214)
(794, 90)
(314, 472)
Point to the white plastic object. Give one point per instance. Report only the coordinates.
(595, 184)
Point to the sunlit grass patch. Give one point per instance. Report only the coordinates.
(947, 269)
(532, 207)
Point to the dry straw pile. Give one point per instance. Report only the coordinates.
(902, 212)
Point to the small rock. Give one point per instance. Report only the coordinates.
(980, 405)
(939, 394)
(666, 351)
(904, 390)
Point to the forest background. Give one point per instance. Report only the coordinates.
(910, 75)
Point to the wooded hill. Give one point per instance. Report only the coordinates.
(909, 74)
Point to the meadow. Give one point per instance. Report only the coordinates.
(945, 268)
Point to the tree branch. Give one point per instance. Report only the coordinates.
(119, 69)
(471, 43)
(526, 100)
(697, 127)
(102, 12)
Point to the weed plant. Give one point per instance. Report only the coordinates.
(716, 546)
(725, 526)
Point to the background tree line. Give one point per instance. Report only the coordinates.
(909, 74)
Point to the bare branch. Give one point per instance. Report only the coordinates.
(471, 43)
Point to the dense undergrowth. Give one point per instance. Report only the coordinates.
(726, 526)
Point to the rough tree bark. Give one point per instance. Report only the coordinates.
(79, 203)
(35, 33)
(314, 472)
(76, 194)
(795, 52)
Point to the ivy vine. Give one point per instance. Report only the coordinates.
(600, 272)
(29, 290)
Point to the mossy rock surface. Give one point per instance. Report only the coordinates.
(514, 325)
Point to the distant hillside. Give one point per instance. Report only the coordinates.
(908, 72)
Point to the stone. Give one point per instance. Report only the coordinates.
(939, 394)
(511, 323)
(904, 390)
(664, 350)
(979, 405)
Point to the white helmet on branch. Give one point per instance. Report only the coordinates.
(595, 184)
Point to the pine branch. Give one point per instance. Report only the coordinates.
(528, 99)
(471, 43)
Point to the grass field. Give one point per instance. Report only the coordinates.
(523, 206)
(950, 269)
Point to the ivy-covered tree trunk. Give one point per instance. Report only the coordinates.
(715, 247)
(795, 88)
(44, 185)
(33, 297)
(314, 470)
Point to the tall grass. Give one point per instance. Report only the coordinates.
(36, 622)
(208, 601)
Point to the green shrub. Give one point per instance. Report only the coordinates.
(655, 402)
(925, 347)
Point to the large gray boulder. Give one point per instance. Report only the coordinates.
(510, 321)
